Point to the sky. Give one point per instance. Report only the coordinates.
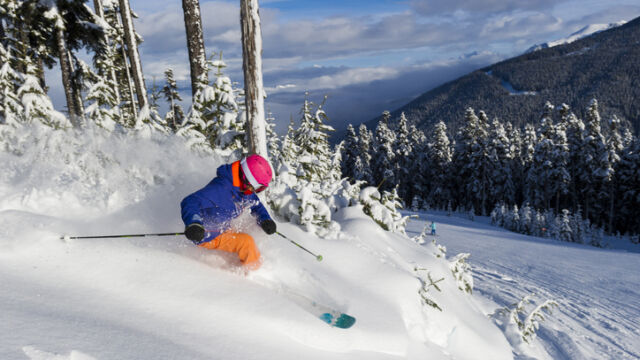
(365, 56)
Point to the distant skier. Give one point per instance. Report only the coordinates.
(433, 228)
(207, 213)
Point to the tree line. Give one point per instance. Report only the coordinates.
(589, 166)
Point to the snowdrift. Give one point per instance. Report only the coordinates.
(163, 298)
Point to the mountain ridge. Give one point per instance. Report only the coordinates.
(603, 65)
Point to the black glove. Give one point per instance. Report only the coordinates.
(194, 232)
(269, 226)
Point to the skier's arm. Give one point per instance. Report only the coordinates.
(191, 206)
(259, 211)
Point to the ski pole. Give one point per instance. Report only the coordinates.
(67, 237)
(318, 257)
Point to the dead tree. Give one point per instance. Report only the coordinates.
(195, 43)
(252, 67)
(132, 49)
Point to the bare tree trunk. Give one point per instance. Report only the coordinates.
(40, 66)
(252, 66)
(97, 4)
(76, 87)
(127, 74)
(134, 56)
(65, 68)
(195, 42)
(2, 34)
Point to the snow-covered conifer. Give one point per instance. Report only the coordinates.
(440, 157)
(629, 187)
(384, 162)
(350, 156)
(596, 170)
(37, 105)
(403, 153)
(314, 155)
(363, 171)
(11, 110)
(175, 116)
(565, 232)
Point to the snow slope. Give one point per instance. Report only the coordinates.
(598, 290)
(163, 298)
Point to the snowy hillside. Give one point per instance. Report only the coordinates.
(583, 32)
(163, 298)
(598, 290)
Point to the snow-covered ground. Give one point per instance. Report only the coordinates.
(163, 298)
(598, 290)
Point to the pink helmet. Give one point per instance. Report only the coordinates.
(257, 171)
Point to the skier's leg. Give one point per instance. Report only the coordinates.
(239, 243)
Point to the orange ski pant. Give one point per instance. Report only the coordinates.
(239, 243)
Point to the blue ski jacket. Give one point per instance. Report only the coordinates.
(219, 202)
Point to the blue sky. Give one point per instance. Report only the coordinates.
(365, 55)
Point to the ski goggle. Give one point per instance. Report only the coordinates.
(249, 181)
(249, 186)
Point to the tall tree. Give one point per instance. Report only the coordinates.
(131, 40)
(75, 113)
(385, 158)
(312, 138)
(440, 157)
(252, 67)
(350, 155)
(615, 146)
(363, 169)
(403, 151)
(596, 170)
(195, 43)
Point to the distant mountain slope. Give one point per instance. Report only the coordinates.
(584, 32)
(605, 65)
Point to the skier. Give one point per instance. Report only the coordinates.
(207, 213)
(433, 228)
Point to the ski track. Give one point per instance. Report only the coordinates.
(598, 291)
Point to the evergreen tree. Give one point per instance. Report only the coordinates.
(273, 141)
(529, 143)
(11, 110)
(560, 177)
(102, 108)
(440, 158)
(418, 182)
(384, 161)
(402, 149)
(596, 170)
(629, 188)
(350, 156)
(575, 137)
(466, 142)
(363, 169)
(37, 105)
(175, 116)
(214, 114)
(539, 177)
(312, 137)
(615, 146)
(502, 160)
(290, 150)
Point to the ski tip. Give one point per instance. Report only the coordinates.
(343, 321)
